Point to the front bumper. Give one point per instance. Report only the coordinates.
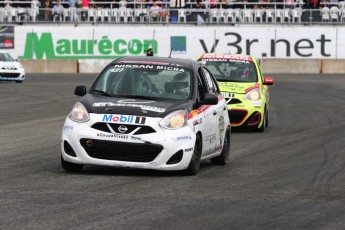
(245, 113)
(6, 75)
(87, 143)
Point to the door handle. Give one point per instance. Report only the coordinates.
(214, 112)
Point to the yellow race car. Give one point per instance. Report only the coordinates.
(243, 86)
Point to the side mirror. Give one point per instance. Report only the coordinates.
(209, 99)
(80, 90)
(268, 81)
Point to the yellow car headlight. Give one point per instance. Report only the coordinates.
(253, 95)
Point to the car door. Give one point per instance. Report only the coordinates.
(219, 110)
(211, 115)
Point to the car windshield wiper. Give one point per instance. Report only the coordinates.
(222, 79)
(100, 92)
(228, 80)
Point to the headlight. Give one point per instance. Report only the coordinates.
(79, 113)
(20, 66)
(175, 120)
(253, 95)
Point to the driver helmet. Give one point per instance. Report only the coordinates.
(181, 82)
(245, 73)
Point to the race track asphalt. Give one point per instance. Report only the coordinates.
(292, 176)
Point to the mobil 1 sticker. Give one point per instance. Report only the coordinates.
(140, 120)
(128, 119)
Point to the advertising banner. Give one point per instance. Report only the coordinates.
(6, 37)
(109, 42)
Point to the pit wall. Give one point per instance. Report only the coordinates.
(277, 66)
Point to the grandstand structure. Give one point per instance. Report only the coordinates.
(174, 12)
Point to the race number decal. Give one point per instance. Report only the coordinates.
(116, 70)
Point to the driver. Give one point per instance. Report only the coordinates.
(246, 73)
(181, 83)
(243, 73)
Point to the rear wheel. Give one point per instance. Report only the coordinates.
(194, 163)
(223, 158)
(70, 167)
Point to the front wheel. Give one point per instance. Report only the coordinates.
(267, 119)
(223, 158)
(194, 163)
(70, 167)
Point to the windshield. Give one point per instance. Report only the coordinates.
(144, 81)
(5, 57)
(232, 70)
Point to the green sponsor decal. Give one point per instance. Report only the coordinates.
(44, 47)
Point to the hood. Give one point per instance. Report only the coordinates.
(235, 87)
(150, 108)
(9, 64)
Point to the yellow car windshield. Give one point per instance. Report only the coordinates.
(234, 71)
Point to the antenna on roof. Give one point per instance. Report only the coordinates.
(170, 53)
(149, 51)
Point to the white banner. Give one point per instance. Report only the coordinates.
(109, 42)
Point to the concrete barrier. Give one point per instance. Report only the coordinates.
(269, 66)
(50, 66)
(333, 66)
(93, 66)
(291, 66)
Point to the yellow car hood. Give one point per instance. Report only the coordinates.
(235, 87)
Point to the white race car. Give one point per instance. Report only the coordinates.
(148, 113)
(10, 69)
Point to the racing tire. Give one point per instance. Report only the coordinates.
(267, 119)
(194, 163)
(70, 167)
(223, 158)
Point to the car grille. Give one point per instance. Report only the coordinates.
(236, 116)
(121, 151)
(234, 101)
(10, 75)
(9, 68)
(126, 129)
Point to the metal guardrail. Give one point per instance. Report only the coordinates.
(15, 12)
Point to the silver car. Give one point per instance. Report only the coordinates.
(10, 69)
